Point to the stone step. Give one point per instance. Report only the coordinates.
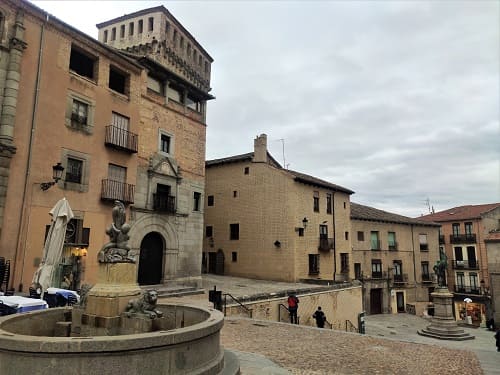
(165, 291)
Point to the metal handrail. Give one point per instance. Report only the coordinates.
(279, 311)
(237, 301)
(349, 327)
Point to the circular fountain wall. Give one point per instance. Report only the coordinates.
(190, 345)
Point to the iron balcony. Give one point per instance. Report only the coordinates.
(121, 139)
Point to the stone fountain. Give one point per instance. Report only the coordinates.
(116, 328)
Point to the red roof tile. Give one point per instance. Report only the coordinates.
(460, 213)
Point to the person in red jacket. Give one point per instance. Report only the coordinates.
(293, 305)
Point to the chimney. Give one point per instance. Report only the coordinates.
(260, 149)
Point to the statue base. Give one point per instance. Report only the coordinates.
(443, 325)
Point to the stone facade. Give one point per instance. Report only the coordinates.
(395, 268)
(263, 221)
(89, 107)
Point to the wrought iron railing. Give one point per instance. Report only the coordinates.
(121, 139)
(325, 244)
(401, 278)
(467, 289)
(441, 239)
(239, 304)
(393, 246)
(465, 264)
(463, 238)
(164, 203)
(116, 190)
(427, 277)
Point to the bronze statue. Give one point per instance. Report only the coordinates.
(117, 249)
(440, 269)
(144, 305)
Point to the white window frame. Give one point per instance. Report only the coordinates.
(171, 151)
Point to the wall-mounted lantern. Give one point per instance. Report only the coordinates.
(57, 171)
(304, 222)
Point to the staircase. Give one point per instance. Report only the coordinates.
(167, 291)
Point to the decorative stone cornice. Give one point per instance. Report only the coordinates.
(18, 44)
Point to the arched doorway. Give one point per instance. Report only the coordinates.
(151, 259)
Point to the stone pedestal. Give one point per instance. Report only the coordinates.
(443, 325)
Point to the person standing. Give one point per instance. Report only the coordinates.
(293, 305)
(497, 337)
(320, 317)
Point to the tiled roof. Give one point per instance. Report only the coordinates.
(229, 159)
(460, 213)
(304, 178)
(360, 212)
(493, 236)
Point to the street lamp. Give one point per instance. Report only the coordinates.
(57, 171)
(304, 222)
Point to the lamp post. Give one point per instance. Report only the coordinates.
(304, 222)
(57, 171)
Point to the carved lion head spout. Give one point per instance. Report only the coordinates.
(145, 305)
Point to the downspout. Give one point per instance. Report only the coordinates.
(30, 148)
(414, 265)
(334, 242)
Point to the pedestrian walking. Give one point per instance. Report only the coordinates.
(497, 337)
(320, 317)
(293, 305)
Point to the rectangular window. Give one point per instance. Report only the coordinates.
(473, 283)
(199, 60)
(346, 236)
(468, 229)
(460, 282)
(209, 231)
(193, 103)
(316, 201)
(234, 231)
(234, 256)
(424, 246)
(113, 33)
(301, 232)
(206, 66)
(374, 240)
(155, 85)
(247, 170)
(74, 171)
(196, 201)
(235, 194)
(140, 26)
(118, 81)
(210, 200)
(79, 113)
(391, 241)
(175, 93)
(459, 256)
(398, 270)
(117, 173)
(163, 200)
(425, 271)
(82, 64)
(76, 234)
(344, 262)
(150, 23)
(174, 38)
(357, 271)
(189, 50)
(122, 31)
(165, 143)
(105, 36)
(323, 231)
(376, 269)
(131, 28)
(455, 229)
(361, 236)
(313, 264)
(328, 203)
(182, 42)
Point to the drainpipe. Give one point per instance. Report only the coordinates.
(334, 242)
(30, 150)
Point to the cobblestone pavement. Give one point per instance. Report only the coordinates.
(307, 350)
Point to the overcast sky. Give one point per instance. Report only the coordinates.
(396, 100)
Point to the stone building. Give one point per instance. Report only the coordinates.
(492, 242)
(123, 125)
(266, 222)
(464, 230)
(393, 256)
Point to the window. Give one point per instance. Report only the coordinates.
(374, 240)
(167, 28)
(473, 282)
(105, 36)
(131, 28)
(113, 33)
(79, 113)
(247, 170)
(139, 26)
(122, 31)
(398, 270)
(424, 246)
(76, 234)
(199, 60)
(163, 201)
(82, 64)
(174, 38)
(117, 173)
(175, 93)
(118, 81)
(459, 256)
(206, 66)
(150, 23)
(346, 236)
(376, 269)
(471, 256)
(328, 203)
(345, 206)
(209, 231)
(391, 241)
(210, 200)
(357, 271)
(115, 187)
(344, 262)
(235, 194)
(234, 231)
(361, 236)
(196, 201)
(425, 271)
(316, 201)
(195, 54)
(189, 50)
(155, 85)
(193, 103)
(165, 143)
(74, 171)
(301, 232)
(455, 229)
(468, 229)
(182, 42)
(460, 282)
(313, 264)
(234, 256)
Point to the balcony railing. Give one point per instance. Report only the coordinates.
(399, 279)
(375, 244)
(325, 244)
(427, 277)
(393, 246)
(467, 289)
(463, 238)
(116, 190)
(164, 203)
(121, 139)
(441, 239)
(465, 264)
(377, 275)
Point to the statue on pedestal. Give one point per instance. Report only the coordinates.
(144, 305)
(440, 269)
(117, 249)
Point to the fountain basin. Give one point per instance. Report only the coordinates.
(191, 345)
